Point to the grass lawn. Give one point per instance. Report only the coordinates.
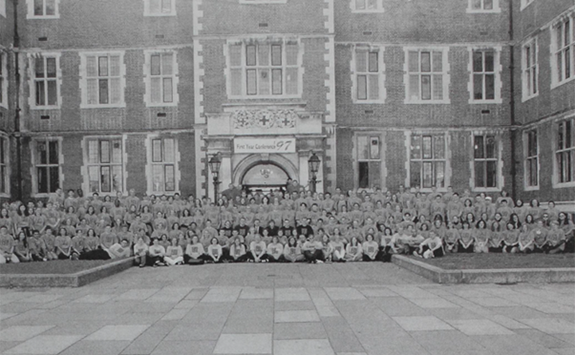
(501, 261)
(52, 267)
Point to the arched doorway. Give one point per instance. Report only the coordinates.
(264, 172)
(264, 177)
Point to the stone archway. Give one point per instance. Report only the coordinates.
(244, 166)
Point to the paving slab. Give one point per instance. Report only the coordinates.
(244, 344)
(45, 344)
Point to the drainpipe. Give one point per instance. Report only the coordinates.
(513, 132)
(17, 134)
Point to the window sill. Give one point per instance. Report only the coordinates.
(531, 188)
(171, 14)
(437, 102)
(527, 98)
(497, 101)
(173, 104)
(5, 195)
(558, 84)
(378, 11)
(83, 106)
(523, 7)
(4, 106)
(486, 189)
(45, 108)
(258, 2)
(368, 102)
(562, 185)
(271, 97)
(163, 193)
(493, 11)
(52, 17)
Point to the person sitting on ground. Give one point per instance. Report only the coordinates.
(555, 239)
(525, 240)
(214, 253)
(174, 253)
(432, 247)
(338, 250)
(140, 252)
(354, 250)
(63, 245)
(370, 248)
(194, 252)
(539, 235)
(156, 253)
(312, 250)
(257, 250)
(238, 250)
(21, 248)
(292, 252)
(327, 248)
(510, 239)
(466, 239)
(275, 250)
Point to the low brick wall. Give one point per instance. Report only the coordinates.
(484, 276)
(66, 280)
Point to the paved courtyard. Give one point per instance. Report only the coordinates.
(287, 309)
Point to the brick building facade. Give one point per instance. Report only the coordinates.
(474, 94)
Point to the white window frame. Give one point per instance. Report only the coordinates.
(446, 159)
(446, 70)
(86, 163)
(244, 68)
(555, 51)
(35, 165)
(148, 11)
(378, 9)
(148, 78)
(163, 162)
(255, 2)
(525, 3)
(357, 159)
(529, 158)
(3, 8)
(495, 10)
(570, 150)
(4, 79)
(5, 142)
(497, 69)
(32, 80)
(380, 73)
(499, 169)
(530, 69)
(30, 14)
(84, 79)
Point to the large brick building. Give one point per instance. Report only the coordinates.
(114, 95)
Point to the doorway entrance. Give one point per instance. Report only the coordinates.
(264, 177)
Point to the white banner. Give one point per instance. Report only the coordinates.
(264, 145)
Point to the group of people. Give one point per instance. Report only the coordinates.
(291, 225)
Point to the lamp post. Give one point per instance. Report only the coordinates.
(313, 163)
(215, 163)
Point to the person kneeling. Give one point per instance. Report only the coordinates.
(431, 247)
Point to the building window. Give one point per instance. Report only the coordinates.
(367, 5)
(530, 69)
(161, 79)
(483, 6)
(105, 165)
(264, 70)
(43, 9)
(3, 80)
(3, 8)
(531, 159)
(46, 80)
(565, 151)
(427, 164)
(427, 79)
(163, 162)
(103, 77)
(47, 166)
(159, 7)
(486, 160)
(369, 161)
(368, 77)
(4, 175)
(525, 3)
(485, 76)
(563, 48)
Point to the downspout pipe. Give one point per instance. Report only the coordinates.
(513, 132)
(17, 134)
